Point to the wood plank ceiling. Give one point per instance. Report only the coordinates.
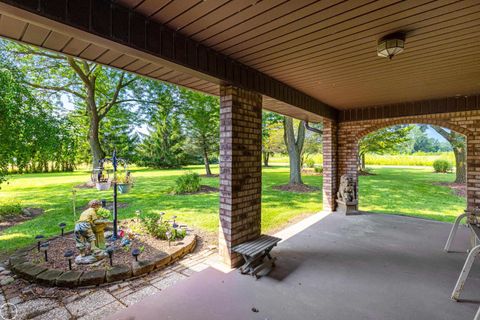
(326, 49)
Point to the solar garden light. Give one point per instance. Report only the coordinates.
(69, 254)
(44, 248)
(169, 236)
(174, 225)
(39, 241)
(135, 254)
(110, 251)
(137, 213)
(62, 226)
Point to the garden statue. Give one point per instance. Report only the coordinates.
(89, 236)
(347, 195)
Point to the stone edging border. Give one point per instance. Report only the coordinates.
(79, 279)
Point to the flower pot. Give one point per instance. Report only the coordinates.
(103, 186)
(124, 187)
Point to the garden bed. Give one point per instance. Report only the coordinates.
(8, 221)
(155, 254)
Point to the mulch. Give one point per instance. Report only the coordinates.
(298, 188)
(122, 255)
(27, 214)
(203, 189)
(213, 175)
(459, 189)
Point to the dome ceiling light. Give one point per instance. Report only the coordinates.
(391, 45)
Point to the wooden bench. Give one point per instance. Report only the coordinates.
(254, 252)
(475, 229)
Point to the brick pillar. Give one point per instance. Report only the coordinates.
(240, 169)
(330, 178)
(473, 171)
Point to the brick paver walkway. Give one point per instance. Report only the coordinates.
(32, 301)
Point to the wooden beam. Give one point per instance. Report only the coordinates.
(111, 21)
(416, 108)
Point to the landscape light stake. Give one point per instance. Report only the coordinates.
(69, 254)
(62, 226)
(110, 255)
(135, 254)
(44, 248)
(39, 241)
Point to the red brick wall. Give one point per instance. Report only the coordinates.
(240, 169)
(330, 162)
(467, 123)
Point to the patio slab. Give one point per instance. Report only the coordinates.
(358, 267)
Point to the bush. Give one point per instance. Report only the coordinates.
(156, 227)
(187, 183)
(10, 209)
(442, 166)
(319, 169)
(309, 163)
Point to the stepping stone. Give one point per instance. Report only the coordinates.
(29, 270)
(6, 281)
(14, 260)
(142, 267)
(69, 279)
(91, 278)
(119, 272)
(49, 277)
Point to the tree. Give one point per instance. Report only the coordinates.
(294, 140)
(313, 142)
(458, 144)
(163, 146)
(271, 135)
(94, 89)
(383, 141)
(202, 124)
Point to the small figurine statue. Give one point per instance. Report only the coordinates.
(86, 234)
(347, 195)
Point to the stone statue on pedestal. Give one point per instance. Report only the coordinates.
(89, 237)
(347, 199)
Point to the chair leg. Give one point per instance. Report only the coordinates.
(464, 274)
(477, 315)
(453, 231)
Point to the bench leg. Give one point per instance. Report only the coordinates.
(453, 231)
(477, 315)
(464, 274)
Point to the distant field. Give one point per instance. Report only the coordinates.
(416, 159)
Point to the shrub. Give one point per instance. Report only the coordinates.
(187, 183)
(309, 163)
(104, 213)
(319, 169)
(156, 227)
(442, 166)
(10, 209)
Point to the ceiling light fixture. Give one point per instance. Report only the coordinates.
(391, 45)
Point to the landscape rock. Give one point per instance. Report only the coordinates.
(69, 279)
(49, 277)
(142, 267)
(119, 272)
(6, 281)
(90, 278)
(29, 270)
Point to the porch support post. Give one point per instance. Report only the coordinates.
(330, 164)
(240, 169)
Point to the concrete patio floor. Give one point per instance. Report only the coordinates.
(369, 266)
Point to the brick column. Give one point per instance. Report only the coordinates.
(330, 165)
(240, 169)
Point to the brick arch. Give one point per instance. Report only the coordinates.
(440, 123)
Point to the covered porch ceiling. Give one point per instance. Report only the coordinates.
(320, 56)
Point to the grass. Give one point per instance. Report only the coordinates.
(416, 159)
(408, 191)
(152, 193)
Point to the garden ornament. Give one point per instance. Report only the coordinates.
(87, 230)
(347, 195)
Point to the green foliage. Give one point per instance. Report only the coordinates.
(442, 166)
(201, 117)
(124, 178)
(319, 169)
(163, 147)
(309, 163)
(9, 209)
(187, 183)
(156, 227)
(104, 213)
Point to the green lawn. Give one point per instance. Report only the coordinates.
(151, 193)
(391, 190)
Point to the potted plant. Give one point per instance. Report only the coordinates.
(103, 182)
(124, 182)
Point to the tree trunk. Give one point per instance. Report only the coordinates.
(461, 168)
(94, 141)
(266, 156)
(207, 162)
(362, 161)
(294, 148)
